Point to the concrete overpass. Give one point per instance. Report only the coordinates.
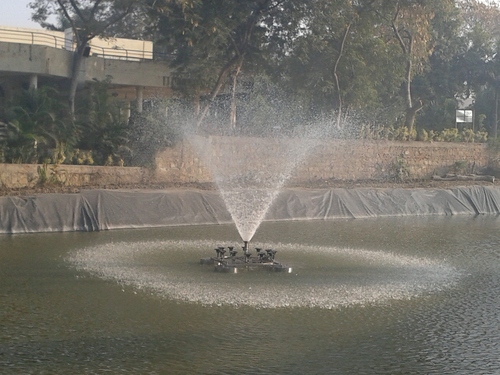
(36, 57)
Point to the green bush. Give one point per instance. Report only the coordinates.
(402, 133)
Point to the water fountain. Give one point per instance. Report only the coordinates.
(248, 187)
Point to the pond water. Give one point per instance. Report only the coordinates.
(375, 296)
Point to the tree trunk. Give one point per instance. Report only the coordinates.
(494, 129)
(411, 115)
(75, 76)
(407, 49)
(411, 111)
(233, 96)
(218, 86)
(336, 76)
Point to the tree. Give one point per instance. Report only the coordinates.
(88, 19)
(439, 85)
(480, 60)
(410, 23)
(212, 40)
(338, 21)
(339, 61)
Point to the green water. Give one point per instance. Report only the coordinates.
(138, 302)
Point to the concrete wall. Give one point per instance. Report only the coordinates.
(47, 61)
(33, 59)
(130, 73)
(334, 159)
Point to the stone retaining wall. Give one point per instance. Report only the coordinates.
(333, 159)
(15, 176)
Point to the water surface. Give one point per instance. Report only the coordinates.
(375, 296)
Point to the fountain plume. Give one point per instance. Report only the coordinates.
(249, 188)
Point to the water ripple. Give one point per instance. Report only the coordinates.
(345, 277)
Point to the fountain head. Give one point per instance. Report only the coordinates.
(245, 247)
(231, 263)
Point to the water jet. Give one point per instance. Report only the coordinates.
(250, 172)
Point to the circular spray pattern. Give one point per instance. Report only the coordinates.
(324, 277)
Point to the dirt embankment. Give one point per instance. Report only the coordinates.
(321, 184)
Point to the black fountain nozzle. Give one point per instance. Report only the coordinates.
(245, 247)
(220, 252)
(246, 251)
(271, 253)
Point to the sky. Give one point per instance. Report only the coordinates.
(16, 13)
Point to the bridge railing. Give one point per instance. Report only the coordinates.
(28, 37)
(54, 41)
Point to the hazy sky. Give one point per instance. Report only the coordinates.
(16, 13)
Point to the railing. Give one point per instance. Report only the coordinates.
(28, 37)
(49, 40)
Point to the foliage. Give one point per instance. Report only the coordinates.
(460, 167)
(37, 124)
(49, 177)
(402, 133)
(389, 133)
(103, 127)
(159, 126)
(399, 170)
(255, 66)
(87, 19)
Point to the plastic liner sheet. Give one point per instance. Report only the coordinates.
(128, 209)
(47, 213)
(364, 203)
(112, 209)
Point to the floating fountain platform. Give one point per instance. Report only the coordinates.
(228, 261)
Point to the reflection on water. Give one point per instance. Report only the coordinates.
(378, 296)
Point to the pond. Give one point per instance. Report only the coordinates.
(417, 295)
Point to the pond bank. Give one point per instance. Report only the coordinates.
(93, 210)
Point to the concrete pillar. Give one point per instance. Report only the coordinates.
(140, 97)
(126, 111)
(33, 82)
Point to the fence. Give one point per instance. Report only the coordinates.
(52, 39)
